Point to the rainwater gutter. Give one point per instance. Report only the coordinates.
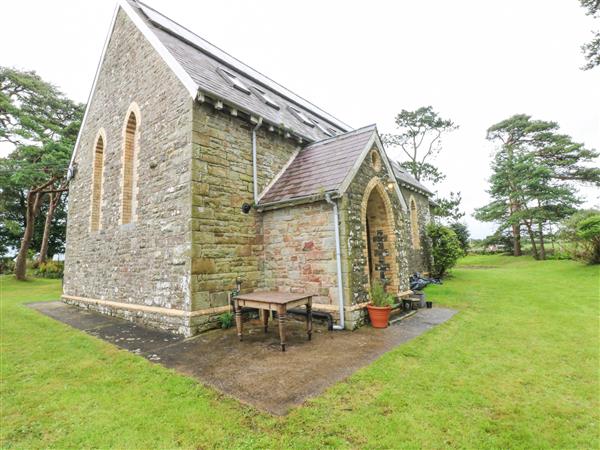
(338, 256)
(254, 175)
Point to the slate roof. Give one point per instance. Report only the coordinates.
(201, 60)
(319, 167)
(406, 178)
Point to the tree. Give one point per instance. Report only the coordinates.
(12, 222)
(533, 172)
(591, 50)
(54, 200)
(463, 235)
(42, 125)
(541, 199)
(420, 138)
(445, 248)
(448, 209)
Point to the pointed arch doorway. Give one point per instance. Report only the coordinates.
(380, 237)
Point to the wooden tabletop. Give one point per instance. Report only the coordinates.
(273, 297)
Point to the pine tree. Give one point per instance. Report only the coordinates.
(534, 171)
(42, 125)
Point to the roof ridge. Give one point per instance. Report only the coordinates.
(343, 135)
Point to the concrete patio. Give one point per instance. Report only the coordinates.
(255, 371)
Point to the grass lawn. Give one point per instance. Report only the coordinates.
(518, 367)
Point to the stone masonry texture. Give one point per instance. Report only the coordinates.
(226, 243)
(146, 262)
(419, 260)
(175, 264)
(299, 251)
(357, 283)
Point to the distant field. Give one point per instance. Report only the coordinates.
(559, 247)
(518, 367)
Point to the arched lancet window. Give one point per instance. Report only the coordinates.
(130, 152)
(414, 224)
(97, 179)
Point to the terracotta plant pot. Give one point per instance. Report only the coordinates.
(379, 315)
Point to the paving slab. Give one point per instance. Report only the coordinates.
(255, 371)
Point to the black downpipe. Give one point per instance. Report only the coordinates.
(323, 315)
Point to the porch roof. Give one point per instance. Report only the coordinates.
(320, 167)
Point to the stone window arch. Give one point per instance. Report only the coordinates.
(375, 160)
(414, 224)
(129, 188)
(97, 180)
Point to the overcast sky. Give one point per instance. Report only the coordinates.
(475, 62)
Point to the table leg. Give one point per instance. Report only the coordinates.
(281, 317)
(309, 318)
(238, 320)
(265, 317)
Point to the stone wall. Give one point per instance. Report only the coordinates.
(299, 251)
(146, 262)
(419, 259)
(226, 243)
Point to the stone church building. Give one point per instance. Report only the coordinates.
(192, 170)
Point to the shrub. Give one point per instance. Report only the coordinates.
(226, 320)
(445, 248)
(463, 235)
(582, 232)
(50, 269)
(558, 255)
(589, 231)
(7, 266)
(378, 295)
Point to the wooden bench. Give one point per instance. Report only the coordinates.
(279, 302)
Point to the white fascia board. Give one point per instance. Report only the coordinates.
(391, 173)
(382, 154)
(160, 48)
(167, 57)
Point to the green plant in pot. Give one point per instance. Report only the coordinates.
(380, 306)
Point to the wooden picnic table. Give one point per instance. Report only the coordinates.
(273, 301)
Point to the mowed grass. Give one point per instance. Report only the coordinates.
(518, 367)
